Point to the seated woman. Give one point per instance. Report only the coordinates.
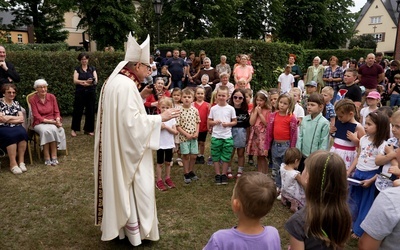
(47, 122)
(13, 136)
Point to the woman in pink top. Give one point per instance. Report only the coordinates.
(47, 122)
(243, 70)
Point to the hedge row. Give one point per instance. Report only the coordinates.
(37, 46)
(57, 67)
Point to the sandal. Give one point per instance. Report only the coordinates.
(73, 133)
(179, 161)
(16, 170)
(54, 162)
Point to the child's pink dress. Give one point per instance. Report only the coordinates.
(258, 135)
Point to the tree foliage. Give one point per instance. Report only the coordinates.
(46, 17)
(108, 21)
(332, 22)
(363, 41)
(200, 19)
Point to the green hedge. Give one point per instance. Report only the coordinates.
(37, 46)
(57, 69)
(57, 66)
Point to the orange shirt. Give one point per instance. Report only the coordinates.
(282, 127)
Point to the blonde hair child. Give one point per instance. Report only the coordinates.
(164, 153)
(176, 94)
(281, 133)
(298, 109)
(330, 114)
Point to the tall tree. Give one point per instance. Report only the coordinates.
(331, 20)
(252, 18)
(46, 17)
(108, 21)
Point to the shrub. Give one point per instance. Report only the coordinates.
(57, 69)
(37, 46)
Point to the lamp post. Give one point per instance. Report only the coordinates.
(309, 28)
(158, 4)
(397, 43)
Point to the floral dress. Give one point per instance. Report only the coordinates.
(258, 135)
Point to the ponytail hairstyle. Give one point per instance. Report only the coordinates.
(327, 213)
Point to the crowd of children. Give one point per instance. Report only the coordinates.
(326, 158)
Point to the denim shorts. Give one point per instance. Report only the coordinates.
(239, 137)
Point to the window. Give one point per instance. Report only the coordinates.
(8, 36)
(379, 37)
(19, 38)
(376, 19)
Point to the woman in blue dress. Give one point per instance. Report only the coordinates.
(13, 136)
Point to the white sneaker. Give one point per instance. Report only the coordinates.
(23, 167)
(16, 170)
(279, 197)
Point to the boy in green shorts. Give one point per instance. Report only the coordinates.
(221, 118)
(188, 127)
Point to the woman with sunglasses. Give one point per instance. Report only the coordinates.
(13, 136)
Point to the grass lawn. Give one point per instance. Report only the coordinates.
(52, 207)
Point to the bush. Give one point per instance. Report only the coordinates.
(37, 46)
(57, 69)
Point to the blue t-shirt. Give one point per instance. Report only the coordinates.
(175, 67)
(232, 239)
(330, 111)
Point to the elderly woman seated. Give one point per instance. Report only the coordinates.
(47, 122)
(13, 136)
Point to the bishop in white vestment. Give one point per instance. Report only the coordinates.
(123, 162)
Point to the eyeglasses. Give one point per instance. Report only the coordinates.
(237, 97)
(147, 65)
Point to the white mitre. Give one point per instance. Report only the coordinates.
(134, 53)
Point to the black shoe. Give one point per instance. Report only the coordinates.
(218, 179)
(193, 176)
(201, 160)
(186, 178)
(197, 160)
(224, 179)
